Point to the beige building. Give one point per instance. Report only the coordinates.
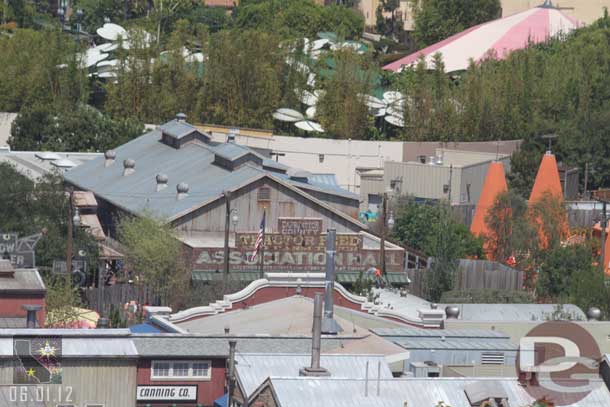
(585, 11)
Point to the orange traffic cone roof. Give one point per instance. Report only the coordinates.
(495, 183)
(547, 180)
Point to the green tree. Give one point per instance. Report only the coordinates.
(389, 25)
(40, 207)
(341, 109)
(418, 225)
(560, 268)
(298, 18)
(510, 231)
(40, 67)
(243, 78)
(42, 127)
(436, 20)
(154, 256)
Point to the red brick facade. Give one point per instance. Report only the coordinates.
(11, 306)
(207, 390)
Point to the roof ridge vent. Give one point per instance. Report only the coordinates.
(109, 157)
(162, 180)
(178, 132)
(182, 190)
(129, 167)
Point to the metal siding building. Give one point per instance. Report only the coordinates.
(465, 169)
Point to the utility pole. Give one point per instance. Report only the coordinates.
(586, 180)
(70, 241)
(450, 180)
(225, 277)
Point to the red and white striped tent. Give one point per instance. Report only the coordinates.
(495, 38)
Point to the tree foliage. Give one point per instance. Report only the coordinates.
(342, 110)
(42, 207)
(40, 67)
(243, 78)
(433, 229)
(42, 127)
(436, 20)
(154, 256)
(298, 18)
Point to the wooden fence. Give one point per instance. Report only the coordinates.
(473, 275)
(102, 299)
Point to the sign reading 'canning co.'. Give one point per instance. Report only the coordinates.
(297, 251)
(166, 393)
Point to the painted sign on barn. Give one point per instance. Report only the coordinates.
(297, 251)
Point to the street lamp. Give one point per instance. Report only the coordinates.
(61, 13)
(234, 219)
(79, 17)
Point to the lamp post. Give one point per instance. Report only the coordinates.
(79, 17)
(231, 215)
(387, 223)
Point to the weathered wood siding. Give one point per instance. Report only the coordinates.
(110, 382)
(283, 202)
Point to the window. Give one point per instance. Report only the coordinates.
(264, 194)
(201, 369)
(180, 369)
(161, 369)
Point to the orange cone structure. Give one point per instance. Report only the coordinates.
(495, 183)
(597, 231)
(547, 182)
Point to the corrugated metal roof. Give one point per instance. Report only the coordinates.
(439, 333)
(98, 347)
(23, 280)
(455, 344)
(516, 312)
(192, 164)
(254, 369)
(416, 392)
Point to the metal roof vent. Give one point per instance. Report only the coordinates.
(129, 167)
(109, 156)
(231, 138)
(162, 180)
(183, 190)
(181, 117)
(452, 312)
(594, 314)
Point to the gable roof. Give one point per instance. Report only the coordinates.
(314, 392)
(195, 163)
(254, 369)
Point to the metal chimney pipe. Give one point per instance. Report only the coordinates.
(366, 380)
(316, 338)
(316, 341)
(329, 325)
(231, 372)
(31, 310)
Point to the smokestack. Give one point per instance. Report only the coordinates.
(316, 341)
(31, 314)
(329, 325)
(231, 372)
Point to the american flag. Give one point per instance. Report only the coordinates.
(259, 238)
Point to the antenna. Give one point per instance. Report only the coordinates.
(550, 138)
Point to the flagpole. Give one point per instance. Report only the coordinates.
(262, 261)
